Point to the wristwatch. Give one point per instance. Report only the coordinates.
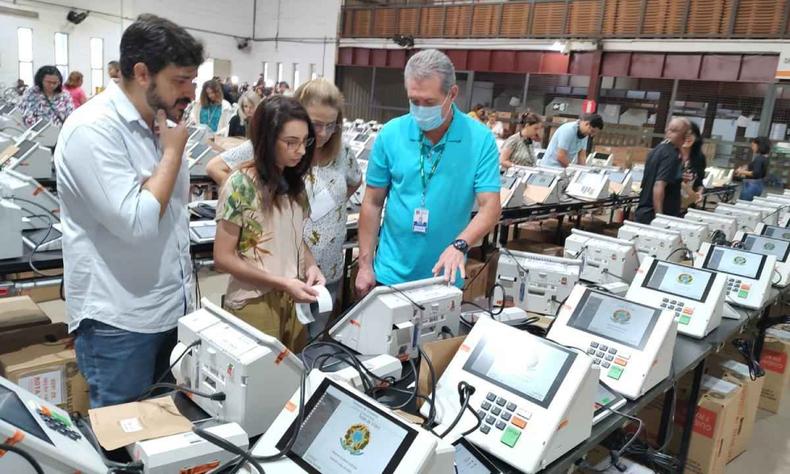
(461, 245)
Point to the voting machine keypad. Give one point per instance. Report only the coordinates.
(498, 414)
(682, 313)
(608, 358)
(738, 288)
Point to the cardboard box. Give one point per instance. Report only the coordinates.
(738, 373)
(17, 312)
(542, 248)
(49, 371)
(18, 339)
(774, 361)
(440, 353)
(39, 294)
(714, 423)
(480, 276)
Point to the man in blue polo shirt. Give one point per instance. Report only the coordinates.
(568, 145)
(430, 166)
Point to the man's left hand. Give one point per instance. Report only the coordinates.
(449, 262)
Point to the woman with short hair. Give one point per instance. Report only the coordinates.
(46, 99)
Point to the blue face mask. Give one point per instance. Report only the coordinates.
(427, 117)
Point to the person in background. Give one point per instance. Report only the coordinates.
(517, 150)
(663, 175)
(693, 164)
(114, 71)
(568, 145)
(46, 99)
(260, 222)
(477, 112)
(74, 87)
(20, 86)
(430, 167)
(237, 126)
(123, 187)
(335, 175)
(284, 89)
(495, 125)
(230, 91)
(756, 170)
(212, 110)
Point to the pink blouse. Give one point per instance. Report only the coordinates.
(77, 95)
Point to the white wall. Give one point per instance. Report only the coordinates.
(301, 27)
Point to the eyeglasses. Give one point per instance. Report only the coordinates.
(326, 127)
(293, 145)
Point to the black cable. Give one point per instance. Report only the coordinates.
(32, 203)
(485, 264)
(242, 455)
(746, 350)
(432, 413)
(465, 392)
(218, 396)
(24, 454)
(87, 431)
(33, 252)
(297, 426)
(689, 253)
(402, 293)
(187, 349)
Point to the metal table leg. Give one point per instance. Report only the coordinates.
(691, 413)
(665, 416)
(345, 297)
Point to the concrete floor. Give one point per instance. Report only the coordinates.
(768, 453)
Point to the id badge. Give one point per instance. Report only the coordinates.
(420, 222)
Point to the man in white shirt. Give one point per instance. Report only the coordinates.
(123, 186)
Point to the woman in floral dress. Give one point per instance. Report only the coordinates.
(46, 99)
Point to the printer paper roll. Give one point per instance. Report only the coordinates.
(304, 311)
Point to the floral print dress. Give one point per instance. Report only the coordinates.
(36, 105)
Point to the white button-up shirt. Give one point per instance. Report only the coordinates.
(123, 265)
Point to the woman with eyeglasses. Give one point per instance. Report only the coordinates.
(46, 99)
(261, 215)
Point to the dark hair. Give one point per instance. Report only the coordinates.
(114, 64)
(48, 71)
(212, 84)
(267, 123)
(477, 107)
(596, 121)
(763, 145)
(529, 118)
(267, 91)
(157, 43)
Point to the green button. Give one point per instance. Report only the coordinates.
(65, 420)
(684, 319)
(743, 294)
(510, 436)
(615, 372)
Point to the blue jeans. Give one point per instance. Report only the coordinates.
(751, 188)
(118, 364)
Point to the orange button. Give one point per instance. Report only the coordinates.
(688, 311)
(521, 423)
(45, 411)
(621, 361)
(746, 286)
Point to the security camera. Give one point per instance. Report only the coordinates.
(75, 17)
(242, 43)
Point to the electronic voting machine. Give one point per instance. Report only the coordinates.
(396, 319)
(749, 274)
(727, 225)
(31, 159)
(764, 245)
(716, 176)
(199, 156)
(588, 184)
(770, 210)
(600, 159)
(664, 244)
(775, 231)
(21, 186)
(511, 191)
(604, 259)
(637, 173)
(747, 218)
(692, 233)
(343, 430)
(45, 432)
(631, 343)
(536, 283)
(694, 295)
(359, 195)
(620, 182)
(536, 396)
(238, 360)
(780, 205)
(43, 132)
(542, 185)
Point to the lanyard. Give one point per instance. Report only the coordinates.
(426, 180)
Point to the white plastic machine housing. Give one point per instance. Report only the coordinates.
(692, 233)
(765, 245)
(257, 373)
(11, 117)
(11, 245)
(388, 320)
(31, 159)
(780, 203)
(187, 452)
(542, 185)
(362, 143)
(749, 274)
(45, 432)
(18, 185)
(637, 172)
(652, 242)
(511, 191)
(325, 444)
(770, 210)
(694, 295)
(588, 184)
(620, 181)
(359, 194)
(728, 225)
(747, 218)
(198, 134)
(716, 176)
(631, 342)
(202, 232)
(199, 156)
(774, 231)
(544, 394)
(784, 222)
(605, 259)
(536, 283)
(599, 159)
(43, 132)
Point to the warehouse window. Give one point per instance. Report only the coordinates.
(297, 78)
(313, 74)
(265, 71)
(62, 53)
(97, 63)
(279, 72)
(25, 48)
